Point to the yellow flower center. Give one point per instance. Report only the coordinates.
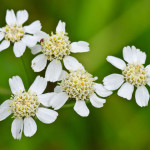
(78, 84)
(57, 46)
(14, 33)
(24, 104)
(135, 74)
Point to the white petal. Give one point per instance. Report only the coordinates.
(62, 75)
(96, 78)
(36, 49)
(141, 56)
(142, 96)
(16, 128)
(4, 110)
(148, 69)
(53, 71)
(126, 90)
(29, 40)
(148, 81)
(61, 27)
(80, 46)
(30, 127)
(22, 17)
(16, 84)
(101, 90)
(45, 99)
(39, 63)
(59, 100)
(46, 115)
(1, 35)
(39, 85)
(127, 54)
(33, 27)
(133, 55)
(57, 89)
(113, 81)
(10, 18)
(19, 48)
(40, 35)
(81, 108)
(4, 45)
(72, 64)
(5, 104)
(96, 101)
(117, 62)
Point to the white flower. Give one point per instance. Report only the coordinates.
(24, 105)
(14, 32)
(133, 74)
(55, 48)
(80, 86)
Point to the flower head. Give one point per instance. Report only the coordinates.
(80, 86)
(14, 32)
(55, 48)
(24, 105)
(133, 74)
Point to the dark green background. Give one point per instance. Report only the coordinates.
(108, 25)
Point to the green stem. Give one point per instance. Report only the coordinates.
(25, 69)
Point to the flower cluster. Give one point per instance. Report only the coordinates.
(74, 83)
(56, 48)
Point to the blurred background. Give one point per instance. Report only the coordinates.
(108, 25)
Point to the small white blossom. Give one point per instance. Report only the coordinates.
(55, 48)
(133, 74)
(24, 105)
(14, 32)
(80, 86)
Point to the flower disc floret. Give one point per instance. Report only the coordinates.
(24, 104)
(135, 74)
(56, 46)
(78, 84)
(14, 33)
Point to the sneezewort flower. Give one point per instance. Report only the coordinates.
(56, 48)
(24, 105)
(134, 74)
(80, 86)
(14, 32)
